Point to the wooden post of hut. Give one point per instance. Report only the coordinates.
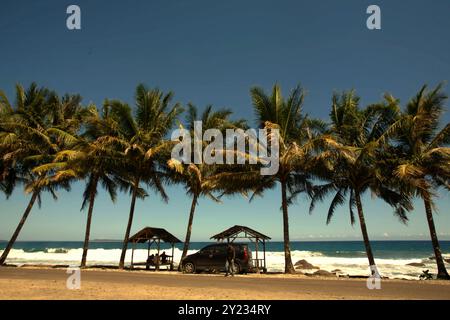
(158, 256)
(257, 260)
(264, 248)
(171, 262)
(132, 254)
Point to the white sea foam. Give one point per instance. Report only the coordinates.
(357, 266)
(391, 268)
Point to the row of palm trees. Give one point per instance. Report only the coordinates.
(47, 142)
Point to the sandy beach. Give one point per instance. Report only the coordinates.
(48, 283)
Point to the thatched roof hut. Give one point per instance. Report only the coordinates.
(153, 236)
(243, 232)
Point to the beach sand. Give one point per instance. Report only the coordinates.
(50, 283)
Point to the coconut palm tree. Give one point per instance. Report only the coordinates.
(202, 179)
(30, 136)
(144, 138)
(355, 161)
(424, 155)
(96, 157)
(295, 133)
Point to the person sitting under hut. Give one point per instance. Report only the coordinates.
(150, 261)
(163, 257)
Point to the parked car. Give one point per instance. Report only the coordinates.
(213, 257)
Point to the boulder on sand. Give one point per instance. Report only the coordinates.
(336, 270)
(303, 264)
(324, 273)
(416, 264)
(434, 258)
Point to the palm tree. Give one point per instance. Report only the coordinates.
(295, 133)
(424, 155)
(202, 179)
(96, 159)
(143, 135)
(93, 156)
(354, 161)
(30, 136)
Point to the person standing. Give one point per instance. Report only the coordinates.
(229, 264)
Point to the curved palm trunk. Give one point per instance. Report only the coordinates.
(288, 266)
(19, 227)
(189, 228)
(442, 271)
(88, 225)
(362, 223)
(130, 222)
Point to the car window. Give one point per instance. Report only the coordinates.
(220, 249)
(217, 249)
(206, 249)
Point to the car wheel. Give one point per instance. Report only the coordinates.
(189, 267)
(237, 268)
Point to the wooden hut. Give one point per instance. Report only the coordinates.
(243, 232)
(153, 236)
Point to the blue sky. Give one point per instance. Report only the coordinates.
(212, 53)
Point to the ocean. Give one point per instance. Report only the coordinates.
(349, 257)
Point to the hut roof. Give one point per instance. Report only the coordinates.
(149, 233)
(234, 231)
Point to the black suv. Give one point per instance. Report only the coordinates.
(213, 257)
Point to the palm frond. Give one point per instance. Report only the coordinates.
(338, 199)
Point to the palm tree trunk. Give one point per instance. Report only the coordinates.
(442, 272)
(362, 223)
(19, 227)
(189, 228)
(88, 224)
(130, 222)
(288, 266)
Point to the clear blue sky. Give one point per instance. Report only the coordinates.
(213, 52)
